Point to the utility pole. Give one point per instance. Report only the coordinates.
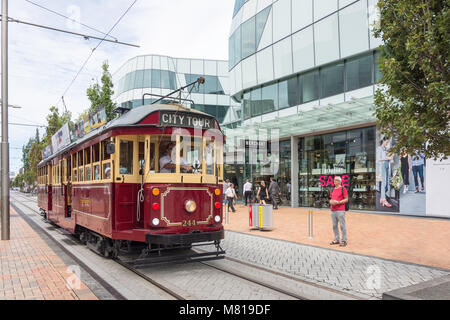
(5, 144)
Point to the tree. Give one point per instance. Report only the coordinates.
(413, 103)
(101, 96)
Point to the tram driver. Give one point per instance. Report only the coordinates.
(167, 163)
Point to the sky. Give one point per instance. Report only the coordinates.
(43, 63)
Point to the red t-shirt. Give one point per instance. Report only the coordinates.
(338, 194)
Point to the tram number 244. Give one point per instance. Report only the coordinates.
(189, 223)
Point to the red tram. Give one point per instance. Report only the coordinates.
(153, 177)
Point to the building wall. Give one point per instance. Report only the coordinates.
(270, 40)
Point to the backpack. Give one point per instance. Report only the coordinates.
(347, 204)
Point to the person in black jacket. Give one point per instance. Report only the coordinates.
(274, 191)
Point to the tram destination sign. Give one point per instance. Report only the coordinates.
(183, 119)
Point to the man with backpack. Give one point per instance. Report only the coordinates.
(339, 204)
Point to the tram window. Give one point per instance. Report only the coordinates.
(126, 157)
(88, 173)
(105, 155)
(167, 156)
(81, 174)
(191, 154)
(209, 156)
(97, 172)
(96, 153)
(152, 157)
(141, 154)
(75, 176)
(106, 171)
(87, 155)
(80, 158)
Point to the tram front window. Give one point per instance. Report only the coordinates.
(195, 156)
(191, 154)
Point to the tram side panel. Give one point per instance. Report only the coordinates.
(92, 207)
(44, 197)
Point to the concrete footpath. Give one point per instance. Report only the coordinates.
(423, 241)
(31, 270)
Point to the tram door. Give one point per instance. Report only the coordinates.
(126, 182)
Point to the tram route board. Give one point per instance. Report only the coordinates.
(187, 120)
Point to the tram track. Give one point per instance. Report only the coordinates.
(123, 264)
(147, 276)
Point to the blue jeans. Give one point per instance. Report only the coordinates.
(418, 169)
(385, 178)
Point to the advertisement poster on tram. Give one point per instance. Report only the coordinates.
(400, 180)
(98, 119)
(61, 138)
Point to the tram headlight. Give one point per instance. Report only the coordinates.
(190, 206)
(155, 221)
(155, 192)
(217, 192)
(217, 219)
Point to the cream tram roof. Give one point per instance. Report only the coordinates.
(129, 118)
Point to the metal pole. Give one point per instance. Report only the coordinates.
(226, 213)
(5, 144)
(310, 223)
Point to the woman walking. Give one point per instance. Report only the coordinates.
(263, 193)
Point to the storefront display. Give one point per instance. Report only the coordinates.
(348, 154)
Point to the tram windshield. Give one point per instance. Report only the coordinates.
(183, 154)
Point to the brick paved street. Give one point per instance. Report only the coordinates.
(363, 276)
(411, 239)
(30, 269)
(354, 268)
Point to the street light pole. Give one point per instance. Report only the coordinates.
(5, 145)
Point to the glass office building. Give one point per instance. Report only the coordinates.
(305, 73)
(159, 75)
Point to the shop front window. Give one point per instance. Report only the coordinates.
(348, 154)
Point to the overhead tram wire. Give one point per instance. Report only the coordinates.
(68, 18)
(85, 36)
(92, 52)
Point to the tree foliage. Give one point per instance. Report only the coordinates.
(101, 96)
(413, 101)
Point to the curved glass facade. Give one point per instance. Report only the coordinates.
(160, 75)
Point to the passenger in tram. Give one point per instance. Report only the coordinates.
(168, 165)
(108, 173)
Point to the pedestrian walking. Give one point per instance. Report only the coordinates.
(262, 193)
(247, 193)
(339, 197)
(231, 195)
(274, 191)
(226, 185)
